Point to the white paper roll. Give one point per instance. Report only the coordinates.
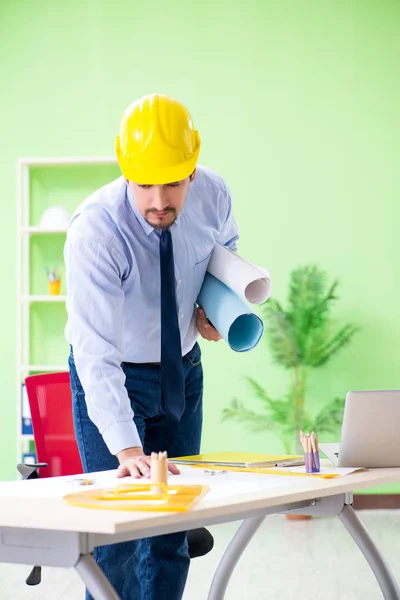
(250, 282)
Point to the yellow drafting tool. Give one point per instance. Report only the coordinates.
(262, 471)
(140, 496)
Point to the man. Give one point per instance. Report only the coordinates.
(136, 254)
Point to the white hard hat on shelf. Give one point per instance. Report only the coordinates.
(55, 217)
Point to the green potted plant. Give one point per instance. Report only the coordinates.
(301, 338)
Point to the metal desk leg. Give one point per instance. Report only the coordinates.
(231, 557)
(374, 558)
(94, 579)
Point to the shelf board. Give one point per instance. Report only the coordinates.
(47, 298)
(45, 368)
(43, 230)
(27, 437)
(68, 160)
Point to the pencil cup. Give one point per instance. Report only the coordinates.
(55, 287)
(311, 460)
(309, 441)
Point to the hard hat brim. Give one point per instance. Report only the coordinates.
(157, 175)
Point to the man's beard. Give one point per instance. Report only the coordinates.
(160, 225)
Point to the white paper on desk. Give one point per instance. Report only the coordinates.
(250, 282)
(340, 471)
(221, 486)
(331, 451)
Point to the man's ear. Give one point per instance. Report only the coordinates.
(193, 175)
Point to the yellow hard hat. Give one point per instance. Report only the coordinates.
(157, 142)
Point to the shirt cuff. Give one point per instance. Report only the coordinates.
(120, 436)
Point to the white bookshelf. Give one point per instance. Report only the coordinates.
(44, 298)
(43, 230)
(25, 298)
(42, 368)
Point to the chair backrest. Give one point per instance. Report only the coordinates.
(50, 403)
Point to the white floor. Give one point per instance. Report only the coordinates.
(287, 560)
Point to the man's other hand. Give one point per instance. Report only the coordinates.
(135, 463)
(206, 330)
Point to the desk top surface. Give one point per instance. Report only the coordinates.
(39, 504)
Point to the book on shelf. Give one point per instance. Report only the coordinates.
(29, 458)
(26, 425)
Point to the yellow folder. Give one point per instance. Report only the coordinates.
(240, 460)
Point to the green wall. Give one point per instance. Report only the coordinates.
(297, 104)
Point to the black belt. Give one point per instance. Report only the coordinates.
(149, 364)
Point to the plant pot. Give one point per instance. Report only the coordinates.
(297, 517)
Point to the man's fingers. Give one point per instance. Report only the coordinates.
(129, 470)
(212, 335)
(134, 472)
(202, 320)
(173, 469)
(205, 328)
(143, 467)
(140, 466)
(135, 467)
(123, 471)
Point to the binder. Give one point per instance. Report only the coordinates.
(240, 460)
(26, 425)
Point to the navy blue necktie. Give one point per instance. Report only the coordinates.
(172, 380)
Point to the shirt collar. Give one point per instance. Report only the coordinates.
(147, 228)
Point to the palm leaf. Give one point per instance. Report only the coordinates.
(330, 417)
(237, 411)
(307, 285)
(280, 411)
(283, 346)
(310, 305)
(318, 323)
(306, 288)
(341, 339)
(301, 335)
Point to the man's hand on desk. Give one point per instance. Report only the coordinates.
(135, 463)
(204, 327)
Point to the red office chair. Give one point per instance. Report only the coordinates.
(50, 404)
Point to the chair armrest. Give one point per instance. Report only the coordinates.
(30, 471)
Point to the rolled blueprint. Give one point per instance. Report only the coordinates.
(230, 315)
(250, 282)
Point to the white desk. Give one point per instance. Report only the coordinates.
(38, 528)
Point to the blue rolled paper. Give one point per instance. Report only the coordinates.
(237, 324)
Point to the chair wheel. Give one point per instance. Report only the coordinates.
(35, 576)
(200, 542)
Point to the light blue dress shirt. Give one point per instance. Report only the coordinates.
(113, 289)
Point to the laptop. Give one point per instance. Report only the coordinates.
(370, 435)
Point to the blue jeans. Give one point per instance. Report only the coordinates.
(154, 568)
